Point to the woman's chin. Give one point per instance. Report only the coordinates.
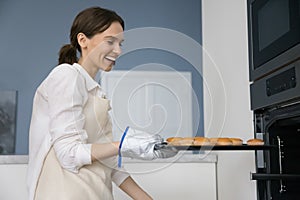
(108, 68)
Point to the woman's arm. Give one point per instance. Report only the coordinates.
(130, 187)
(106, 150)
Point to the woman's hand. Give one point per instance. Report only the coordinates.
(141, 145)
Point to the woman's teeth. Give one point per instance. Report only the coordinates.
(110, 58)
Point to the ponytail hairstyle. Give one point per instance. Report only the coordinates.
(90, 22)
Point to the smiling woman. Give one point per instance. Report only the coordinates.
(71, 153)
(29, 51)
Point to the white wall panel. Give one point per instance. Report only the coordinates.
(224, 25)
(155, 101)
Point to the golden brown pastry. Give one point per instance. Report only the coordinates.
(186, 141)
(182, 141)
(255, 142)
(173, 139)
(213, 141)
(220, 141)
(201, 141)
(236, 141)
(224, 141)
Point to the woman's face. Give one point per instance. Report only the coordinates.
(104, 48)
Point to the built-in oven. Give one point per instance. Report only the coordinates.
(274, 66)
(278, 169)
(275, 101)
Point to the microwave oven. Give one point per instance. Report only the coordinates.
(273, 35)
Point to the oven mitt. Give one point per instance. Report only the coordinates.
(141, 145)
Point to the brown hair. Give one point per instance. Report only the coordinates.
(89, 22)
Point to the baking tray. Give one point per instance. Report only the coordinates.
(243, 147)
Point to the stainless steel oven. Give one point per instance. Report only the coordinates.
(275, 101)
(274, 64)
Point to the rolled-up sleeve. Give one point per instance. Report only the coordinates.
(66, 96)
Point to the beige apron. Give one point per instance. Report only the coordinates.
(93, 182)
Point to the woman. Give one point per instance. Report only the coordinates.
(72, 155)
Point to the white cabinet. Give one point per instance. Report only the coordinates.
(13, 180)
(154, 101)
(187, 179)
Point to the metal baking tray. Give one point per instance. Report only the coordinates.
(243, 147)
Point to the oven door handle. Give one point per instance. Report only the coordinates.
(266, 177)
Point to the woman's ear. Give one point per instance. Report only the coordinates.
(82, 40)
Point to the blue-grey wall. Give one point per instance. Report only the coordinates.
(32, 31)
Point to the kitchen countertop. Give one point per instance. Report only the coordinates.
(13, 159)
(181, 157)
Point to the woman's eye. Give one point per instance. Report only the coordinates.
(110, 42)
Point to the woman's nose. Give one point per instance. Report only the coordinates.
(117, 49)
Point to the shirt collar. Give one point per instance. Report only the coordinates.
(90, 82)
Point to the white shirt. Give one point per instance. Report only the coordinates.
(57, 120)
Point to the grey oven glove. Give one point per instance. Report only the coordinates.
(141, 145)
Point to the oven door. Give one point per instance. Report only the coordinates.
(278, 170)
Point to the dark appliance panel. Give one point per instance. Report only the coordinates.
(274, 35)
(280, 87)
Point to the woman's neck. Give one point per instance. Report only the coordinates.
(89, 67)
